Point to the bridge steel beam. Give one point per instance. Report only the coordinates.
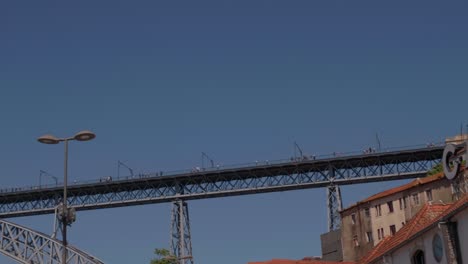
(334, 206)
(334, 202)
(28, 246)
(181, 239)
(284, 176)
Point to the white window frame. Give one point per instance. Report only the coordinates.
(417, 198)
(427, 196)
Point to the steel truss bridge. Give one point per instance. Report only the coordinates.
(28, 246)
(302, 173)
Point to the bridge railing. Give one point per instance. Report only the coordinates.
(227, 167)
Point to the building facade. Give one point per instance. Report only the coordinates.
(331, 246)
(438, 234)
(368, 222)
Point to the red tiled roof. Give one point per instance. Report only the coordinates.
(426, 217)
(410, 185)
(304, 261)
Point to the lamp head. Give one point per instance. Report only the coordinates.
(84, 135)
(48, 139)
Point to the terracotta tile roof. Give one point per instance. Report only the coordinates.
(427, 216)
(408, 186)
(307, 260)
(304, 261)
(412, 184)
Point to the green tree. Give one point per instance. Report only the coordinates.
(163, 257)
(436, 169)
(439, 168)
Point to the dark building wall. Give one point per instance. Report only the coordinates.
(348, 231)
(331, 246)
(354, 250)
(365, 225)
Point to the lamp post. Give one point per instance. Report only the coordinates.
(41, 172)
(65, 216)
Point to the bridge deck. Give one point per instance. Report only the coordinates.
(290, 175)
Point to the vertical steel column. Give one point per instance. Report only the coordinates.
(65, 212)
(463, 178)
(181, 242)
(57, 225)
(333, 203)
(334, 207)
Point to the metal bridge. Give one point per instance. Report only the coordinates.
(298, 173)
(28, 246)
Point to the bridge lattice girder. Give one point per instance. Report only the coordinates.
(28, 246)
(215, 182)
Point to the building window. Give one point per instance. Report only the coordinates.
(380, 233)
(367, 212)
(437, 247)
(390, 206)
(466, 183)
(404, 201)
(355, 241)
(378, 210)
(402, 224)
(392, 230)
(369, 236)
(418, 257)
(429, 195)
(415, 198)
(353, 219)
(401, 203)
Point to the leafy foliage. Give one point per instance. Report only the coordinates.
(439, 168)
(163, 257)
(436, 169)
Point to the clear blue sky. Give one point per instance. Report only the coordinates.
(161, 81)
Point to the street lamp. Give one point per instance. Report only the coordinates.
(45, 173)
(66, 217)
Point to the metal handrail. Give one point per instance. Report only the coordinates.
(349, 154)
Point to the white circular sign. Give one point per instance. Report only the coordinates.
(450, 165)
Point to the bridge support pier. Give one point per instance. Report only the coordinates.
(57, 224)
(334, 206)
(181, 242)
